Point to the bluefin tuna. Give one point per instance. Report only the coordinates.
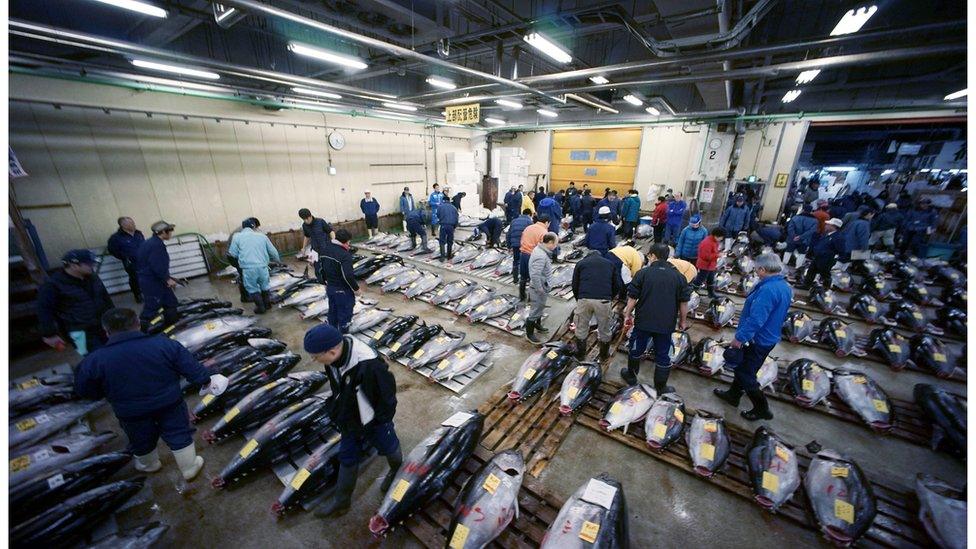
(452, 290)
(488, 502)
(386, 271)
(866, 267)
(367, 318)
(930, 353)
(473, 299)
(694, 302)
(708, 443)
(317, 473)
(40, 391)
(52, 454)
(944, 274)
(865, 397)
(808, 382)
(798, 326)
(304, 296)
(424, 284)
(908, 315)
(841, 281)
(413, 339)
(955, 296)
(594, 516)
(436, 349)
(912, 290)
(579, 386)
(503, 268)
(576, 254)
(488, 258)
(709, 355)
(768, 373)
(903, 270)
(947, 414)
(823, 298)
(720, 312)
(315, 309)
(186, 310)
(877, 286)
(840, 497)
(465, 254)
(680, 347)
(427, 469)
(517, 320)
(744, 265)
(146, 536)
(195, 337)
(228, 340)
(232, 359)
(245, 380)
(283, 281)
(942, 508)
(891, 346)
(628, 405)
(32, 427)
(773, 469)
(865, 307)
(369, 265)
(540, 370)
(400, 280)
(723, 279)
(839, 337)
(384, 336)
(496, 306)
(748, 282)
(665, 421)
(461, 361)
(376, 238)
(562, 276)
(952, 320)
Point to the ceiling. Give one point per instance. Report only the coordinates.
(691, 58)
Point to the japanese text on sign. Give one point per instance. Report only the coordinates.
(463, 114)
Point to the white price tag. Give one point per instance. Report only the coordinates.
(457, 419)
(55, 481)
(600, 493)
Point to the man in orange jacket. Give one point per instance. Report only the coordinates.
(531, 237)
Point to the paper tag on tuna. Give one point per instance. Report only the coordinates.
(516, 316)
(638, 396)
(419, 353)
(491, 483)
(34, 382)
(599, 493)
(395, 347)
(706, 357)
(879, 285)
(551, 355)
(679, 415)
(581, 370)
(457, 419)
(860, 379)
(894, 348)
(660, 430)
(872, 309)
(157, 319)
(231, 414)
(707, 451)
(207, 399)
(479, 308)
(20, 463)
(572, 392)
(922, 291)
(782, 453)
(55, 481)
(26, 424)
(169, 329)
(710, 426)
(299, 478)
(443, 364)
(282, 291)
(839, 472)
(616, 408)
(844, 511)
(918, 315)
(589, 531)
(400, 490)
(840, 333)
(378, 334)
(720, 308)
(798, 323)
(210, 326)
(770, 482)
(441, 292)
(939, 357)
(880, 406)
(459, 354)
(529, 374)
(460, 537)
(808, 385)
(248, 448)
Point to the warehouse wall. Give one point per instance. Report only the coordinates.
(602, 158)
(669, 156)
(87, 167)
(769, 151)
(538, 147)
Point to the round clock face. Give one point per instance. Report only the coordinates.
(337, 141)
(715, 143)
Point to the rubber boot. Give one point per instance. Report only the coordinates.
(522, 295)
(760, 406)
(342, 497)
(148, 463)
(450, 250)
(442, 256)
(580, 348)
(245, 297)
(530, 332)
(800, 259)
(629, 374)
(732, 396)
(604, 350)
(266, 298)
(786, 257)
(661, 380)
(395, 460)
(258, 303)
(188, 461)
(540, 328)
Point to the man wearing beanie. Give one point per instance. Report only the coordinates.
(362, 408)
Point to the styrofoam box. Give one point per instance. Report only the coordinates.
(460, 157)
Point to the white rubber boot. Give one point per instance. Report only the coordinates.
(800, 258)
(188, 461)
(786, 257)
(148, 463)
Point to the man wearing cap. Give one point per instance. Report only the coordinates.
(689, 239)
(799, 233)
(435, 200)
(152, 264)
(735, 219)
(531, 237)
(371, 209)
(825, 248)
(676, 211)
(406, 205)
(71, 301)
(317, 234)
(254, 251)
(341, 287)
(123, 245)
(362, 408)
(601, 235)
(884, 226)
(449, 217)
(139, 374)
(918, 225)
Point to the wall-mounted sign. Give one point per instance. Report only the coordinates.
(463, 114)
(781, 179)
(707, 194)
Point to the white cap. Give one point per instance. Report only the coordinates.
(367, 191)
(603, 210)
(835, 222)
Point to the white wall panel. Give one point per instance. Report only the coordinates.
(155, 137)
(229, 170)
(669, 157)
(193, 151)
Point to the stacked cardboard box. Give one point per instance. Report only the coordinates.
(511, 167)
(462, 177)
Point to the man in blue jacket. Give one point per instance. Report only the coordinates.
(630, 213)
(139, 374)
(825, 248)
(885, 225)
(513, 203)
(548, 206)
(152, 266)
(601, 236)
(123, 245)
(371, 210)
(434, 201)
(760, 326)
(587, 203)
(254, 251)
(341, 287)
(448, 216)
(613, 201)
(71, 301)
(676, 212)
(735, 219)
(919, 223)
(492, 228)
(575, 201)
(689, 239)
(406, 205)
(799, 233)
(515, 231)
(857, 236)
(417, 226)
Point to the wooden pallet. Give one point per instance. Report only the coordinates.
(896, 524)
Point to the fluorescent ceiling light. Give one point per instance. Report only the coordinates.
(841, 168)
(633, 100)
(441, 83)
(599, 80)
(547, 112)
(152, 65)
(548, 47)
(325, 55)
(169, 82)
(593, 104)
(133, 5)
(309, 102)
(316, 93)
(491, 120)
(956, 95)
(509, 103)
(653, 111)
(790, 96)
(399, 106)
(853, 20)
(807, 76)
(392, 116)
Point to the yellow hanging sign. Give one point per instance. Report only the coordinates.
(463, 114)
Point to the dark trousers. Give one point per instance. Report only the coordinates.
(819, 268)
(383, 437)
(446, 239)
(172, 423)
(627, 228)
(516, 262)
(916, 243)
(753, 356)
(130, 269)
(319, 272)
(164, 303)
(341, 303)
(658, 233)
(372, 221)
(639, 341)
(708, 279)
(524, 266)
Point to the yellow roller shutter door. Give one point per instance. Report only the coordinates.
(602, 158)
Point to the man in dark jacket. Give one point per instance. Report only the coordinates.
(548, 206)
(575, 201)
(596, 281)
(515, 231)
(340, 285)
(513, 204)
(630, 213)
(317, 236)
(735, 219)
(417, 226)
(371, 210)
(363, 406)
(492, 228)
(139, 374)
(152, 265)
(885, 225)
(587, 203)
(448, 216)
(123, 245)
(601, 236)
(660, 295)
(71, 302)
(918, 225)
(825, 249)
(799, 233)
(456, 200)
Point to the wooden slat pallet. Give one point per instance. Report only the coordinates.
(896, 524)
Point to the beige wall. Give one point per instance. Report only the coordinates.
(538, 148)
(767, 152)
(669, 157)
(87, 166)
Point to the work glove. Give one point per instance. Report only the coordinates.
(217, 385)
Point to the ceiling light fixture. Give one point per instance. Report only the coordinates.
(169, 82)
(593, 104)
(316, 93)
(399, 106)
(328, 56)
(547, 112)
(509, 103)
(496, 121)
(599, 80)
(841, 168)
(133, 5)
(310, 102)
(790, 96)
(956, 95)
(633, 100)
(807, 76)
(152, 65)
(548, 47)
(441, 83)
(853, 20)
(653, 111)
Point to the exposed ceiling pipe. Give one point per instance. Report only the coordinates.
(87, 41)
(723, 28)
(269, 11)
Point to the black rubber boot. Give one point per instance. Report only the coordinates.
(580, 348)
(530, 332)
(540, 328)
(604, 350)
(732, 396)
(450, 250)
(441, 257)
(258, 303)
(629, 374)
(395, 460)
(522, 295)
(661, 380)
(342, 498)
(760, 406)
(266, 298)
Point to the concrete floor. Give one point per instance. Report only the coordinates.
(667, 507)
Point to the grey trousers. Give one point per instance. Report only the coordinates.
(537, 298)
(587, 309)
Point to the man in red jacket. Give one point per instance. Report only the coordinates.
(708, 252)
(659, 218)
